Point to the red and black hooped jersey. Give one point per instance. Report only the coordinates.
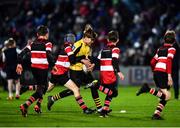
(39, 50)
(63, 62)
(107, 71)
(162, 61)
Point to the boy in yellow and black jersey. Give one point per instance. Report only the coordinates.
(76, 70)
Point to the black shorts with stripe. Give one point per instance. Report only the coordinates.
(59, 79)
(161, 80)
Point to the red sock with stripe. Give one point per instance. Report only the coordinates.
(39, 101)
(160, 107)
(81, 103)
(105, 90)
(107, 103)
(29, 102)
(32, 98)
(157, 93)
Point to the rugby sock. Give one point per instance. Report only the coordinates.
(157, 93)
(160, 107)
(98, 103)
(95, 96)
(105, 90)
(10, 88)
(62, 94)
(29, 102)
(107, 103)
(81, 102)
(39, 101)
(32, 98)
(17, 88)
(56, 97)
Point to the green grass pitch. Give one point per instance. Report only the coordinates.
(66, 113)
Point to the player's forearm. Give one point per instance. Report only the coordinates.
(51, 59)
(169, 66)
(115, 63)
(73, 59)
(22, 54)
(153, 63)
(79, 58)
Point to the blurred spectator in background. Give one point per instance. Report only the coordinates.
(9, 57)
(175, 70)
(2, 72)
(141, 23)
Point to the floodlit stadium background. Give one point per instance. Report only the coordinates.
(141, 25)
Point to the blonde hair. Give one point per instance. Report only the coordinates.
(87, 27)
(169, 36)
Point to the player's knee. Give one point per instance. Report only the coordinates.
(76, 90)
(168, 96)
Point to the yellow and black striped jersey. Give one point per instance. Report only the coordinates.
(84, 50)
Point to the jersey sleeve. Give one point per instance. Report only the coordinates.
(171, 53)
(72, 57)
(154, 60)
(22, 54)
(99, 56)
(50, 57)
(77, 45)
(156, 55)
(68, 50)
(115, 59)
(49, 46)
(28, 46)
(170, 56)
(70, 54)
(25, 53)
(115, 53)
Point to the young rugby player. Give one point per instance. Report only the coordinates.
(161, 65)
(41, 59)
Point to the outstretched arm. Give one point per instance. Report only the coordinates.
(25, 53)
(72, 55)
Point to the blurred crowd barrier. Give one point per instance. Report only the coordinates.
(134, 75)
